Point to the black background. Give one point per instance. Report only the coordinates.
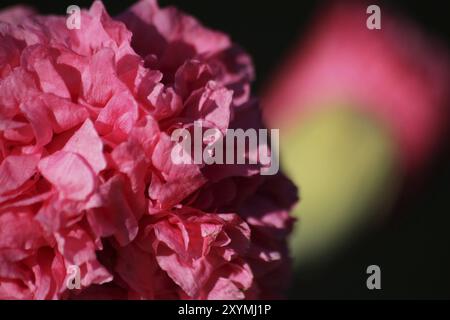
(413, 249)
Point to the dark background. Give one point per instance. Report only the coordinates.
(412, 249)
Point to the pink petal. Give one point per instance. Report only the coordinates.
(16, 170)
(86, 143)
(69, 173)
(115, 216)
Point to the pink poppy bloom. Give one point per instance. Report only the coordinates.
(86, 178)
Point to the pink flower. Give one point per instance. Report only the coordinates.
(398, 75)
(86, 177)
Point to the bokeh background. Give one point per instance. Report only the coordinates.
(411, 241)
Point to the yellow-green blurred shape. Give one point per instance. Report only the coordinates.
(344, 163)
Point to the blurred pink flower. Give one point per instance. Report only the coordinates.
(397, 74)
(86, 177)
